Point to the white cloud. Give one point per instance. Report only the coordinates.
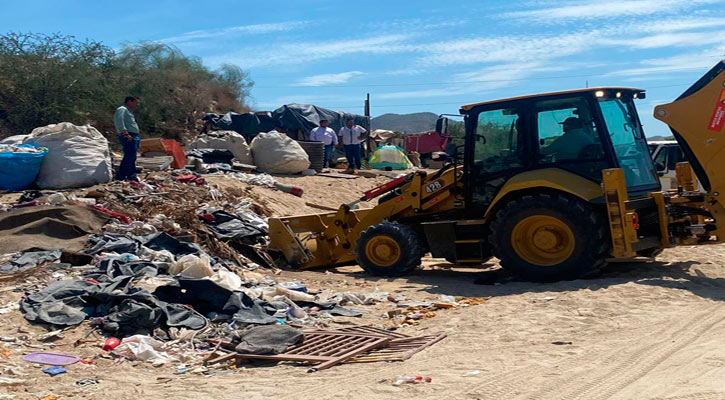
(681, 62)
(302, 52)
(604, 9)
(328, 79)
(480, 81)
(256, 29)
(682, 39)
(508, 49)
(679, 24)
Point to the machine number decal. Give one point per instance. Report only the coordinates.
(718, 116)
(432, 187)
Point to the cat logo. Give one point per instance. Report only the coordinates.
(432, 187)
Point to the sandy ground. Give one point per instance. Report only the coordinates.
(638, 331)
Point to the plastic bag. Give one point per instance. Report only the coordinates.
(192, 266)
(143, 348)
(276, 153)
(78, 156)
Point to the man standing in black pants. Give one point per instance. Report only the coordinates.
(127, 129)
(352, 135)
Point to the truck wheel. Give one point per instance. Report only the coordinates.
(547, 238)
(388, 249)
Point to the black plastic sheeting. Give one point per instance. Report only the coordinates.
(291, 117)
(227, 227)
(119, 243)
(212, 156)
(247, 124)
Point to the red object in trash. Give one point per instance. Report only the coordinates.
(191, 179)
(91, 280)
(121, 217)
(111, 343)
(207, 217)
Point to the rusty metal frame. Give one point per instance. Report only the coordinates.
(328, 348)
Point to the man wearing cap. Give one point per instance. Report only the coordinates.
(352, 135)
(127, 129)
(569, 145)
(326, 135)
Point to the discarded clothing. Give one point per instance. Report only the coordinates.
(27, 260)
(164, 241)
(271, 339)
(113, 242)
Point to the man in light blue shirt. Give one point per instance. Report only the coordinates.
(127, 129)
(326, 135)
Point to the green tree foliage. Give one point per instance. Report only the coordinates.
(47, 79)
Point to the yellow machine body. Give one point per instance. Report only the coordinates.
(683, 216)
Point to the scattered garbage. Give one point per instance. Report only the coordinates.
(224, 140)
(403, 379)
(51, 358)
(55, 370)
(143, 348)
(111, 343)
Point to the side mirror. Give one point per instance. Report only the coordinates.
(442, 125)
(440, 156)
(659, 167)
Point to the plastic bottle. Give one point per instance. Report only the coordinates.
(400, 379)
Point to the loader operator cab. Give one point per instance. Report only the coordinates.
(581, 132)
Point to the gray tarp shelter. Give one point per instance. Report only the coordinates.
(296, 119)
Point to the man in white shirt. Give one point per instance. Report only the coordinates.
(352, 135)
(325, 135)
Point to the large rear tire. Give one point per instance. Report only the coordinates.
(388, 249)
(550, 237)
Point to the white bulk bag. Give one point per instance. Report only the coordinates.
(276, 153)
(78, 156)
(229, 140)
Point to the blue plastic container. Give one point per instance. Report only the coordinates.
(19, 170)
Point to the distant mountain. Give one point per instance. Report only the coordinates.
(416, 122)
(659, 138)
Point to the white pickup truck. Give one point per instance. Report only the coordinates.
(666, 154)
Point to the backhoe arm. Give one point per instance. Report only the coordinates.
(697, 120)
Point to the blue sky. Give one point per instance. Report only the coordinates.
(417, 55)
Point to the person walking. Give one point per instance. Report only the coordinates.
(326, 135)
(127, 129)
(352, 135)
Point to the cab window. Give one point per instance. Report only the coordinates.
(661, 160)
(568, 137)
(497, 145)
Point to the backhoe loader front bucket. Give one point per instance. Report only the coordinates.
(316, 240)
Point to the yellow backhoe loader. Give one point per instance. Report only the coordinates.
(553, 184)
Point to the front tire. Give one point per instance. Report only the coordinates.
(388, 249)
(550, 237)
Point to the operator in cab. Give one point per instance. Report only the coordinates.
(569, 145)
